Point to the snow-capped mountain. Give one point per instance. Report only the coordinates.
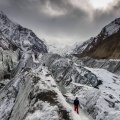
(105, 45)
(13, 35)
(56, 47)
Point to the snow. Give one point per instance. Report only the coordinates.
(102, 102)
(6, 107)
(111, 83)
(106, 96)
(7, 102)
(18, 36)
(108, 30)
(47, 112)
(83, 46)
(97, 89)
(5, 81)
(112, 28)
(108, 79)
(11, 99)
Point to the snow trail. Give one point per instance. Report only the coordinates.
(82, 114)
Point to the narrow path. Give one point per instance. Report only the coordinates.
(82, 114)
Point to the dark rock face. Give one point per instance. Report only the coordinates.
(105, 45)
(14, 36)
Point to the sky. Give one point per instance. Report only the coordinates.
(62, 22)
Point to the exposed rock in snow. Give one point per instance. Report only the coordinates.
(104, 45)
(14, 36)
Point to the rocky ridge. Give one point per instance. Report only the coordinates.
(13, 35)
(106, 45)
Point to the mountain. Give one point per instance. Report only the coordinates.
(106, 45)
(27, 89)
(13, 35)
(15, 41)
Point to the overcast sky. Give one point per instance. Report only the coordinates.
(62, 21)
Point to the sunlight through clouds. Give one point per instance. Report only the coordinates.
(101, 4)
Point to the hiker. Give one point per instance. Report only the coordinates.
(76, 104)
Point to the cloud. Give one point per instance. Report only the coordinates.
(65, 21)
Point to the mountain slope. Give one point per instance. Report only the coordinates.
(27, 89)
(104, 45)
(13, 35)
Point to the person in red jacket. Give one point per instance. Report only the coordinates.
(76, 104)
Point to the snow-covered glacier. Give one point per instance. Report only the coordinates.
(97, 89)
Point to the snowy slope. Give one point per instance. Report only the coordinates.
(59, 48)
(33, 94)
(103, 102)
(104, 45)
(83, 46)
(15, 36)
(97, 89)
